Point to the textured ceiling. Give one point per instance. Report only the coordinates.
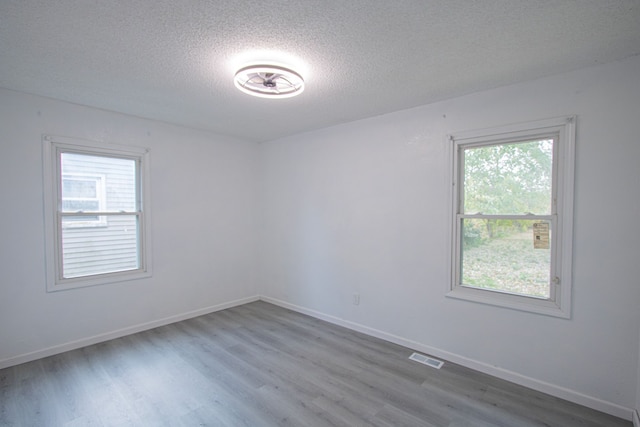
(174, 60)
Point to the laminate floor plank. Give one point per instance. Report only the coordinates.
(259, 365)
(307, 379)
(344, 411)
(289, 371)
(390, 416)
(239, 397)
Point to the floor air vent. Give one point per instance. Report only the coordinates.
(421, 358)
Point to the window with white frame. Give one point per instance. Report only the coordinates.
(96, 213)
(512, 216)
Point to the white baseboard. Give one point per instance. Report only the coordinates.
(514, 377)
(636, 418)
(57, 349)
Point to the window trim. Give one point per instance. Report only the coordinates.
(559, 305)
(52, 146)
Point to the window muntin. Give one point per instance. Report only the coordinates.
(512, 192)
(98, 221)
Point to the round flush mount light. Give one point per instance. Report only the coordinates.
(269, 81)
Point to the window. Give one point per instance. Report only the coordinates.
(512, 216)
(96, 213)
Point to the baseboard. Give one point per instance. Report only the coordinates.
(636, 418)
(50, 351)
(514, 377)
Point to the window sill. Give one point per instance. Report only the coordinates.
(98, 279)
(514, 302)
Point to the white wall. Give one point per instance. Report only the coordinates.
(363, 208)
(203, 203)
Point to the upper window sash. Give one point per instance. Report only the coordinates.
(465, 150)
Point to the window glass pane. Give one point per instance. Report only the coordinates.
(513, 178)
(88, 251)
(79, 188)
(114, 180)
(512, 256)
(80, 205)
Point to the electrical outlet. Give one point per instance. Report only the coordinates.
(356, 299)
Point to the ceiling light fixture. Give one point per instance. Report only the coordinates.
(269, 81)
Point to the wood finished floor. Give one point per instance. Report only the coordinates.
(261, 365)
